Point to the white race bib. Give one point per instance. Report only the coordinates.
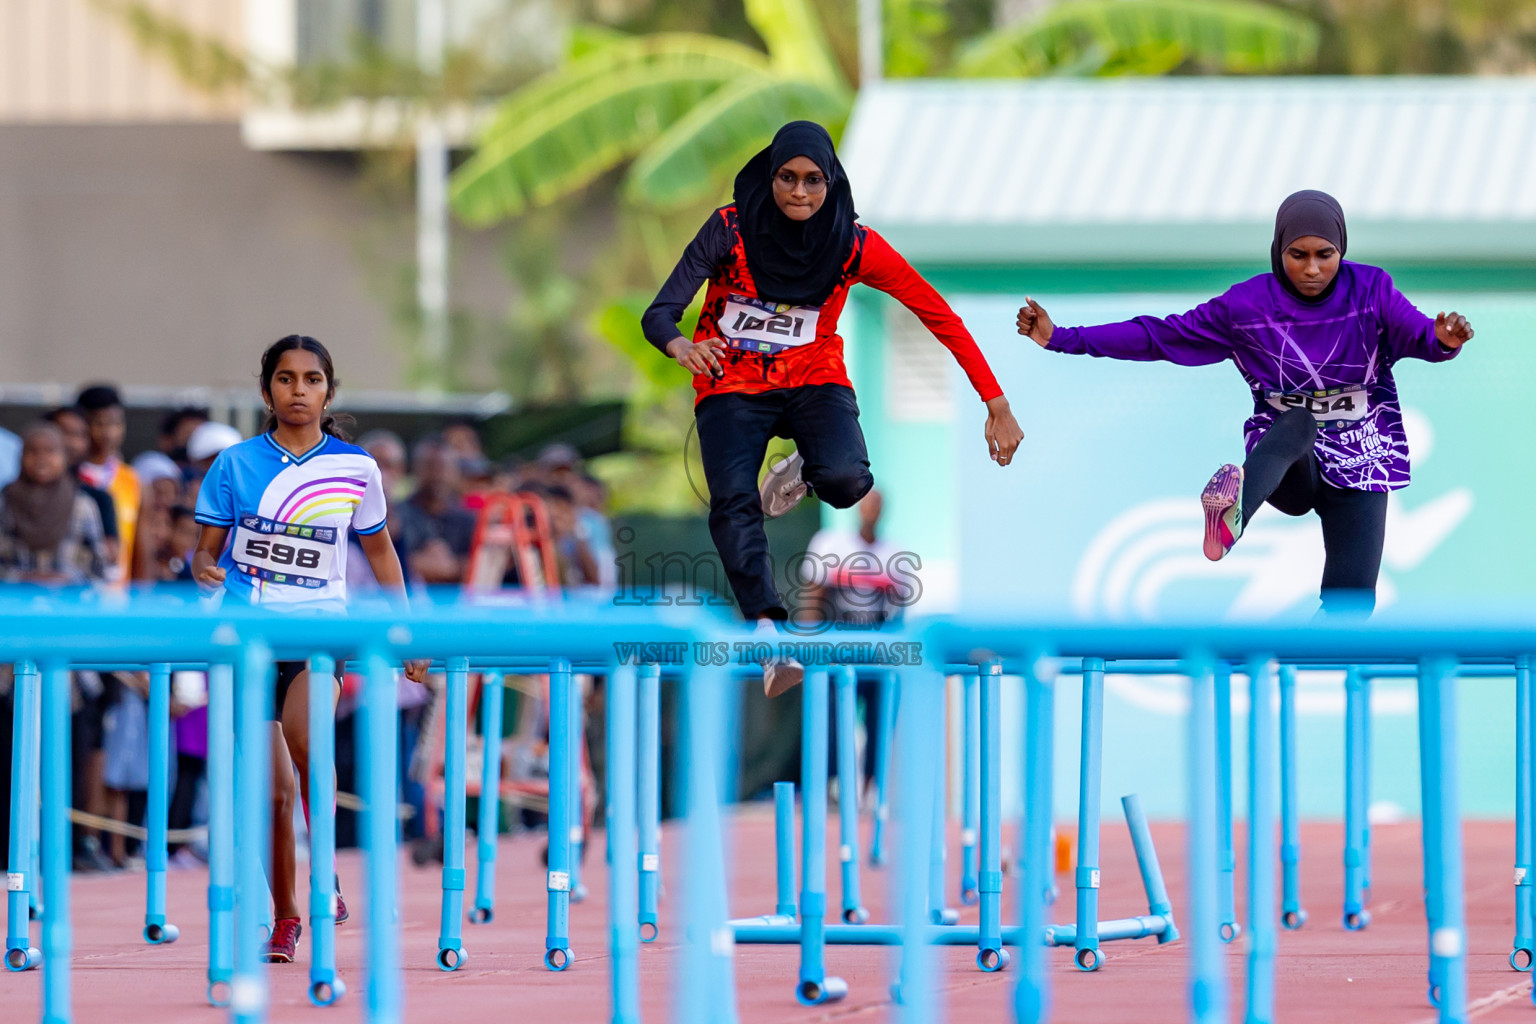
(757, 326)
(1333, 408)
(284, 553)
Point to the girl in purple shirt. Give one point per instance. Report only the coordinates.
(1315, 340)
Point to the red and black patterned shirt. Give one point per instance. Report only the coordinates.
(778, 346)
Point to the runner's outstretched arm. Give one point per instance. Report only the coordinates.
(1197, 338)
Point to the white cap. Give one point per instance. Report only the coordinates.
(211, 438)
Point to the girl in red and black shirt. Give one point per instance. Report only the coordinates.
(766, 358)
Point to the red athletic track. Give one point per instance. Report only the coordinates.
(1324, 975)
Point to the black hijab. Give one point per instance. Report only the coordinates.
(1302, 214)
(794, 262)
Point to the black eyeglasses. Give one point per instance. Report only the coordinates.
(815, 183)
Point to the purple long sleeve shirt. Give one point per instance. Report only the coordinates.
(1334, 359)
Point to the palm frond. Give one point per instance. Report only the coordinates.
(697, 155)
(797, 43)
(1234, 36)
(561, 131)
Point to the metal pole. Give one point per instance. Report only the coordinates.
(557, 943)
(784, 848)
(845, 693)
(1261, 838)
(1207, 982)
(919, 771)
(990, 954)
(381, 728)
(1430, 822)
(1355, 838)
(814, 986)
(1088, 956)
(221, 832)
(971, 789)
(248, 990)
(432, 205)
(1292, 916)
(1032, 998)
(1448, 940)
(648, 800)
(1521, 955)
(871, 42)
(887, 732)
(1226, 863)
(58, 938)
(450, 939)
(325, 987)
(488, 821)
(623, 886)
(578, 805)
(157, 807)
(20, 955)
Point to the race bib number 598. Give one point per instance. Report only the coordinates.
(284, 553)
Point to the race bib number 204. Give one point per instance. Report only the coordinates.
(1334, 408)
(284, 553)
(758, 326)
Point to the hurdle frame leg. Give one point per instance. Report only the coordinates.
(1032, 997)
(1521, 953)
(54, 781)
(845, 696)
(221, 833)
(578, 820)
(1207, 977)
(1430, 815)
(939, 912)
(1262, 935)
(1087, 955)
(157, 807)
(21, 879)
(814, 988)
(990, 954)
(1356, 715)
(557, 942)
(325, 988)
(381, 751)
(623, 887)
(648, 799)
(887, 735)
(919, 768)
(1448, 941)
(450, 939)
(487, 818)
(971, 788)
(1292, 915)
(1226, 863)
(248, 989)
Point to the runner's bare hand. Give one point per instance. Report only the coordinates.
(1452, 330)
(698, 357)
(1003, 431)
(1034, 323)
(210, 579)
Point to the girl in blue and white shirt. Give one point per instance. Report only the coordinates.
(275, 513)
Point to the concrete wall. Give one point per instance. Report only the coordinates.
(170, 254)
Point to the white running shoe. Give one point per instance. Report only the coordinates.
(780, 675)
(783, 488)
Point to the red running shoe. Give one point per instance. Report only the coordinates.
(1222, 500)
(284, 943)
(341, 905)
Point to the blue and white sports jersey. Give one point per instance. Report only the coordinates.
(288, 518)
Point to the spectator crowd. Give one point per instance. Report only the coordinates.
(77, 511)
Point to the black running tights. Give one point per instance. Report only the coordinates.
(1283, 470)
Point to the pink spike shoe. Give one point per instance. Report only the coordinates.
(1222, 500)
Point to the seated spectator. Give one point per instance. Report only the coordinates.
(176, 429)
(463, 440)
(50, 531)
(437, 531)
(161, 485)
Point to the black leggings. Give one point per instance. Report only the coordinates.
(1283, 470)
